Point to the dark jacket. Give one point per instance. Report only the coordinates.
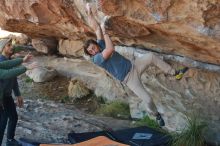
(9, 69)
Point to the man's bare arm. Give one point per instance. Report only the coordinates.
(93, 23)
(109, 47)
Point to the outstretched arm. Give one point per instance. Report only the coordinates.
(10, 63)
(101, 33)
(93, 23)
(109, 47)
(5, 74)
(16, 71)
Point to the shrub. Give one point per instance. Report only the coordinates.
(146, 121)
(116, 109)
(191, 135)
(29, 80)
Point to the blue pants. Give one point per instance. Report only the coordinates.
(8, 115)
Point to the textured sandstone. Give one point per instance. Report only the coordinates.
(42, 74)
(47, 46)
(71, 47)
(19, 38)
(76, 89)
(187, 27)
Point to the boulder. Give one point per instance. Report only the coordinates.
(41, 74)
(47, 46)
(18, 38)
(22, 39)
(71, 47)
(77, 89)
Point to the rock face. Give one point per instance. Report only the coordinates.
(187, 27)
(197, 93)
(93, 77)
(71, 47)
(18, 38)
(50, 122)
(76, 89)
(47, 46)
(41, 74)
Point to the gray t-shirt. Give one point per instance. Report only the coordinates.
(117, 65)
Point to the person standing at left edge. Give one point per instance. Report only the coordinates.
(9, 114)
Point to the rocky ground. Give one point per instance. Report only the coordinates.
(45, 118)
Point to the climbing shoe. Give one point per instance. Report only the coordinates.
(180, 72)
(12, 142)
(160, 120)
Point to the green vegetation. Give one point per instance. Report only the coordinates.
(29, 80)
(65, 99)
(191, 135)
(17, 49)
(146, 121)
(100, 99)
(116, 109)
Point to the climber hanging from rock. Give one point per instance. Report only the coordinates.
(103, 54)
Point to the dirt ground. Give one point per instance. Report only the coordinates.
(56, 90)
